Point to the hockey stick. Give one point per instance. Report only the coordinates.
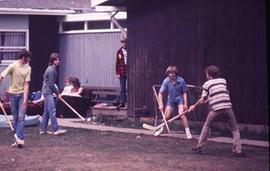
(71, 108)
(5, 113)
(155, 128)
(162, 113)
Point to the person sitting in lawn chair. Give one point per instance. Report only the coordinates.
(72, 87)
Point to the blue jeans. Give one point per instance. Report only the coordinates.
(122, 97)
(49, 113)
(16, 102)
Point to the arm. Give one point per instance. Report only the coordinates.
(119, 62)
(52, 80)
(80, 91)
(25, 94)
(202, 100)
(7, 71)
(116, 64)
(1, 79)
(160, 101)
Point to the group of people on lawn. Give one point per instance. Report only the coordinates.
(214, 93)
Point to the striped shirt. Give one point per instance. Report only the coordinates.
(215, 90)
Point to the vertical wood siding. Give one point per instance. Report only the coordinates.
(90, 57)
(192, 35)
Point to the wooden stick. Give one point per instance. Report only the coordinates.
(66, 103)
(5, 113)
(154, 128)
(163, 115)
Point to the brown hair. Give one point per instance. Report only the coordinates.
(171, 69)
(24, 53)
(53, 57)
(212, 71)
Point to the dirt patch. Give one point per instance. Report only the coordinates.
(82, 149)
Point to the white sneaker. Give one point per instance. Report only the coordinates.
(45, 132)
(158, 132)
(18, 142)
(59, 132)
(189, 136)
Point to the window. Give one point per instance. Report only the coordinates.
(11, 43)
(92, 25)
(67, 26)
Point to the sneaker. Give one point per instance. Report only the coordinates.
(158, 132)
(45, 132)
(189, 136)
(238, 154)
(19, 142)
(59, 132)
(19, 146)
(197, 150)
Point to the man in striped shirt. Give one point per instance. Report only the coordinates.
(216, 94)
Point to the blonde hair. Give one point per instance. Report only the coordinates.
(171, 69)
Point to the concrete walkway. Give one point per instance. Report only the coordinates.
(76, 123)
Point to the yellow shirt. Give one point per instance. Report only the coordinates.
(19, 74)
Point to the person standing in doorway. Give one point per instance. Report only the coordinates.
(49, 88)
(20, 74)
(121, 72)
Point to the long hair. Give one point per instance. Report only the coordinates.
(75, 82)
(53, 57)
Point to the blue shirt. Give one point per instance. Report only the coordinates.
(175, 90)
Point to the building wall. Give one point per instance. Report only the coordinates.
(90, 57)
(43, 39)
(11, 22)
(192, 35)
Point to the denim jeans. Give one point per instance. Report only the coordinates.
(16, 102)
(49, 113)
(122, 97)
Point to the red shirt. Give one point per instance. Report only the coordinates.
(121, 67)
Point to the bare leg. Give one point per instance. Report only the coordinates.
(185, 121)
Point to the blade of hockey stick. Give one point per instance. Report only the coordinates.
(150, 127)
(155, 128)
